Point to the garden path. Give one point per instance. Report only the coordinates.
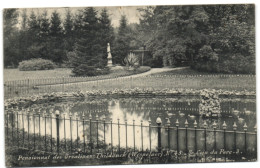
(155, 70)
(150, 72)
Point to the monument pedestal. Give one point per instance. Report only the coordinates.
(109, 56)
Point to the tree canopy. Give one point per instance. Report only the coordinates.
(213, 38)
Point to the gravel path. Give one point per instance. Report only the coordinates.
(150, 72)
(156, 70)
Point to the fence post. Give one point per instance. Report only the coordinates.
(28, 118)
(39, 113)
(83, 127)
(90, 133)
(215, 141)
(186, 132)
(23, 125)
(34, 129)
(7, 127)
(51, 126)
(57, 112)
(64, 120)
(118, 126)
(111, 125)
(104, 122)
(235, 136)
(159, 122)
(255, 127)
(195, 129)
(45, 144)
(177, 138)
(225, 127)
(205, 137)
(70, 114)
(77, 122)
(134, 133)
(12, 127)
(168, 132)
(245, 129)
(126, 135)
(142, 140)
(17, 126)
(97, 128)
(150, 140)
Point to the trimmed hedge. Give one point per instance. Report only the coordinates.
(36, 64)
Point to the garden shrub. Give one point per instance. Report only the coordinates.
(36, 64)
(85, 70)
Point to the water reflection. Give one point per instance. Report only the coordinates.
(129, 113)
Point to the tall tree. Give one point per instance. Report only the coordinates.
(69, 39)
(44, 34)
(24, 36)
(87, 50)
(106, 34)
(57, 50)
(122, 43)
(11, 53)
(34, 29)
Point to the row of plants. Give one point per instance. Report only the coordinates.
(59, 96)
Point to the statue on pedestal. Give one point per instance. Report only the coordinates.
(109, 56)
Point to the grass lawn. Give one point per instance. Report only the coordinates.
(15, 74)
(171, 79)
(189, 71)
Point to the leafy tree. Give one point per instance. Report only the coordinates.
(177, 36)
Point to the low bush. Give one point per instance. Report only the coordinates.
(36, 64)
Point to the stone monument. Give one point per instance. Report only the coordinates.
(109, 56)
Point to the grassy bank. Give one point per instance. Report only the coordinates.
(15, 74)
(185, 78)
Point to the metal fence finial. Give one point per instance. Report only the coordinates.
(177, 123)
(186, 123)
(245, 127)
(205, 124)
(235, 126)
(57, 112)
(158, 120)
(214, 124)
(195, 124)
(224, 125)
(168, 122)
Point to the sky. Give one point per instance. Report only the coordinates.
(115, 13)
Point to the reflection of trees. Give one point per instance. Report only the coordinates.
(145, 108)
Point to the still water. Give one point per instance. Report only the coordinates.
(128, 114)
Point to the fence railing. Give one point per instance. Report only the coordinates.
(87, 135)
(66, 84)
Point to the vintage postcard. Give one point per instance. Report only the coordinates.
(129, 85)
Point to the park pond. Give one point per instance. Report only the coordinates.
(130, 123)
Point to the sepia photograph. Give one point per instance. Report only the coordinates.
(127, 85)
